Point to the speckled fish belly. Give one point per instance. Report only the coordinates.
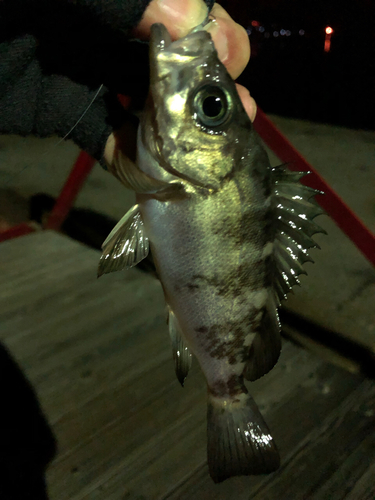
(228, 236)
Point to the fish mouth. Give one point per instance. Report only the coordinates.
(160, 39)
(193, 44)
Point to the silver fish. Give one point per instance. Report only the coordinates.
(228, 235)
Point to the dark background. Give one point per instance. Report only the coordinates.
(293, 75)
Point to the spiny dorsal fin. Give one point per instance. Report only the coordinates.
(295, 210)
(126, 244)
(181, 354)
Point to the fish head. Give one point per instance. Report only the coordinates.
(195, 119)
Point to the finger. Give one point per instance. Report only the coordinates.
(178, 16)
(181, 16)
(247, 101)
(231, 42)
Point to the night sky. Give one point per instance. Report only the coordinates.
(295, 77)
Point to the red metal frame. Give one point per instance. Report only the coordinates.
(335, 207)
(81, 169)
(15, 231)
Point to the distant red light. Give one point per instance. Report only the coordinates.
(255, 23)
(329, 30)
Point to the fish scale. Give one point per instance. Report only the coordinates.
(228, 235)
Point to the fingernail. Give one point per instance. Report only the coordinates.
(187, 14)
(220, 40)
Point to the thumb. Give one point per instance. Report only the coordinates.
(178, 16)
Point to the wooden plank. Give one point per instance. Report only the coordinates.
(365, 487)
(353, 473)
(99, 356)
(323, 452)
(292, 420)
(180, 445)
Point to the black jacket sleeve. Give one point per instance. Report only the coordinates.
(54, 55)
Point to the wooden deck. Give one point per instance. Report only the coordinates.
(98, 356)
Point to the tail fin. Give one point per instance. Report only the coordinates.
(239, 442)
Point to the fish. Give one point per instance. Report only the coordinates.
(228, 234)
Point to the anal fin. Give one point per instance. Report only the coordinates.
(266, 346)
(181, 354)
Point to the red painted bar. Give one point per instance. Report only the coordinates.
(16, 231)
(335, 207)
(81, 169)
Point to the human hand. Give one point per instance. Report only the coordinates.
(180, 17)
(230, 39)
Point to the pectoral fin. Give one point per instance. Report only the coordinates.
(134, 178)
(141, 183)
(181, 354)
(126, 245)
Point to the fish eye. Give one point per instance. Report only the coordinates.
(211, 105)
